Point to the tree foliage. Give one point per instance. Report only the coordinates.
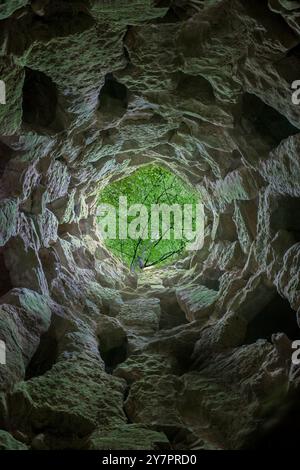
(148, 185)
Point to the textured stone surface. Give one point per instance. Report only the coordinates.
(25, 316)
(7, 442)
(74, 397)
(193, 356)
(128, 437)
(8, 219)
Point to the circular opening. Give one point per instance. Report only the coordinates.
(150, 218)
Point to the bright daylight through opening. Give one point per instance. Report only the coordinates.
(150, 218)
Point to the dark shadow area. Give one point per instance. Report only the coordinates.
(281, 429)
(171, 314)
(289, 66)
(5, 282)
(179, 10)
(44, 357)
(39, 100)
(198, 88)
(113, 357)
(62, 24)
(272, 21)
(287, 216)
(213, 284)
(276, 317)
(264, 120)
(172, 16)
(294, 52)
(113, 98)
(235, 161)
(60, 17)
(6, 154)
(65, 229)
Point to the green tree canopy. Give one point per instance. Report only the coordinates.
(150, 185)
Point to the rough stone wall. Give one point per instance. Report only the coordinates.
(197, 356)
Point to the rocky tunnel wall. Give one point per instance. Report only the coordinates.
(93, 90)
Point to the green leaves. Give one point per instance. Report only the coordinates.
(149, 185)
